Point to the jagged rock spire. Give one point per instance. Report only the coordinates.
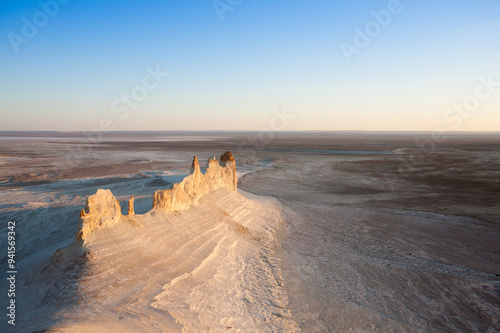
(225, 158)
(131, 211)
(195, 166)
(219, 174)
(101, 209)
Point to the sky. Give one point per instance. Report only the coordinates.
(74, 65)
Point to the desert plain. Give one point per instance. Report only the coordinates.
(326, 232)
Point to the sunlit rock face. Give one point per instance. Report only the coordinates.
(130, 211)
(102, 209)
(219, 174)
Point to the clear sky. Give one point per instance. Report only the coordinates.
(334, 65)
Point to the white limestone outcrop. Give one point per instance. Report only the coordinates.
(130, 211)
(219, 174)
(103, 209)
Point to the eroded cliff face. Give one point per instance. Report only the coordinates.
(219, 174)
(103, 209)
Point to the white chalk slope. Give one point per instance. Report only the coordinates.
(212, 266)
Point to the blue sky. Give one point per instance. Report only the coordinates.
(230, 74)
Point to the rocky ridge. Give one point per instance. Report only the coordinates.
(103, 209)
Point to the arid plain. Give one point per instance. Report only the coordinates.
(328, 232)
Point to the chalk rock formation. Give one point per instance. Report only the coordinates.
(102, 208)
(130, 211)
(227, 159)
(220, 174)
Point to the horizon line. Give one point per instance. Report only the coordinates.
(246, 131)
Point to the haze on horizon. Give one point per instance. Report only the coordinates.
(369, 65)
